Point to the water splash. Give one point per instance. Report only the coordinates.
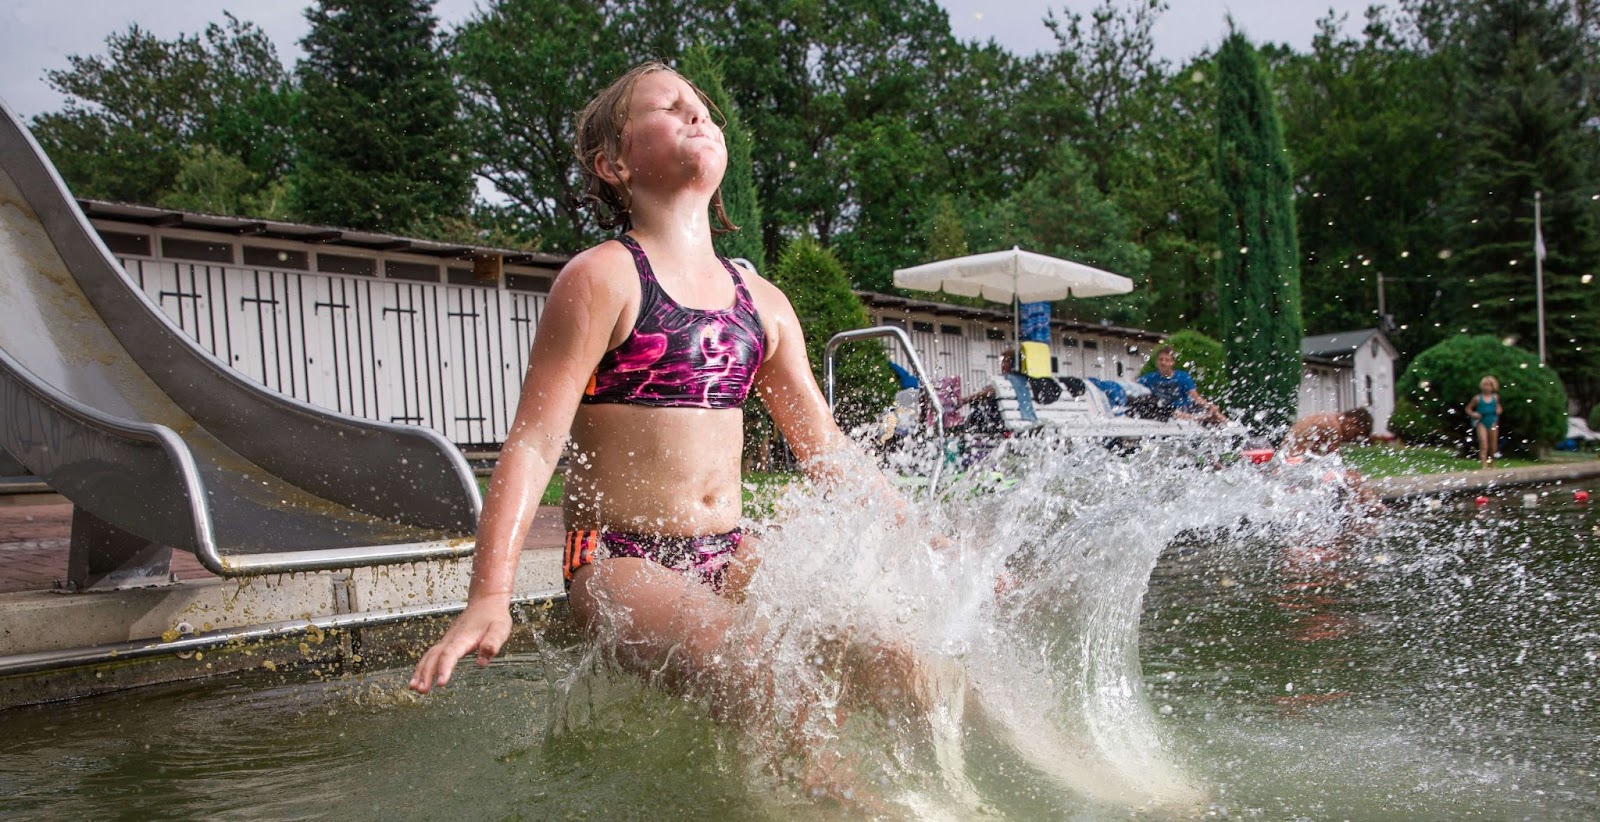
(882, 642)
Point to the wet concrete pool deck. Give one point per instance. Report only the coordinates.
(1488, 480)
(36, 525)
(57, 644)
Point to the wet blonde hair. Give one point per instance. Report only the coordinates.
(600, 128)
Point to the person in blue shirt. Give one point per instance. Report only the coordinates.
(1175, 388)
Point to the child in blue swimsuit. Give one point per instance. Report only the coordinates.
(1484, 409)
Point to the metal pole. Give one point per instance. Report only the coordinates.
(1016, 309)
(1016, 331)
(1538, 270)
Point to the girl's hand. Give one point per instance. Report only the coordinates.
(483, 627)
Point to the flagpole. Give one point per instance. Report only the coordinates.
(1538, 270)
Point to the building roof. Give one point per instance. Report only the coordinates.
(319, 235)
(1342, 344)
(997, 315)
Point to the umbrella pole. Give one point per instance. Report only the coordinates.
(1016, 331)
(1016, 314)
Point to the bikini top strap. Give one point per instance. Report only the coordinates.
(641, 263)
(741, 291)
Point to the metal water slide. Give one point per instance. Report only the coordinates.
(159, 445)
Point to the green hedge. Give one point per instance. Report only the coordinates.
(819, 289)
(1432, 395)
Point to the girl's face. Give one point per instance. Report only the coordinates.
(670, 137)
(1486, 387)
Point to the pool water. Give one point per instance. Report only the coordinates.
(1443, 666)
(1135, 638)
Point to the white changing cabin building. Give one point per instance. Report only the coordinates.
(437, 334)
(1347, 370)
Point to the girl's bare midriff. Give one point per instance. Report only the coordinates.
(669, 471)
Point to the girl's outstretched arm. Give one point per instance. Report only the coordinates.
(789, 389)
(574, 331)
(799, 409)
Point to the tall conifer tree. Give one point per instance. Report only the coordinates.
(1258, 271)
(378, 134)
(1523, 124)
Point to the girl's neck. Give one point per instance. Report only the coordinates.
(682, 226)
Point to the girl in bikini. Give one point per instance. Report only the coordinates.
(1484, 409)
(647, 349)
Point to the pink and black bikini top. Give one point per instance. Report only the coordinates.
(680, 357)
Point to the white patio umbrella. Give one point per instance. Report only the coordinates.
(1015, 277)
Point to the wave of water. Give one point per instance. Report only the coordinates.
(1002, 618)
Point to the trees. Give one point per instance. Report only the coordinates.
(1258, 274)
(524, 68)
(139, 116)
(212, 181)
(1060, 212)
(1523, 129)
(819, 290)
(1367, 121)
(804, 73)
(378, 134)
(1166, 184)
(1108, 69)
(884, 167)
(1417, 144)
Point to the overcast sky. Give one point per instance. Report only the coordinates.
(37, 35)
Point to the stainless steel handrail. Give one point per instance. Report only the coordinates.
(917, 371)
(139, 649)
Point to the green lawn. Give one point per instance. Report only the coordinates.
(1373, 461)
(552, 492)
(759, 487)
(1392, 460)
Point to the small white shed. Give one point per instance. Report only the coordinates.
(1365, 381)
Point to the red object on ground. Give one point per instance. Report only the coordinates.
(1481, 501)
(1580, 495)
(1258, 456)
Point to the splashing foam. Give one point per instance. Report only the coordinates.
(870, 649)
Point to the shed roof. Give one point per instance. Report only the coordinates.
(314, 234)
(1343, 344)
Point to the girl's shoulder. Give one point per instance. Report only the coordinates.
(762, 290)
(606, 261)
